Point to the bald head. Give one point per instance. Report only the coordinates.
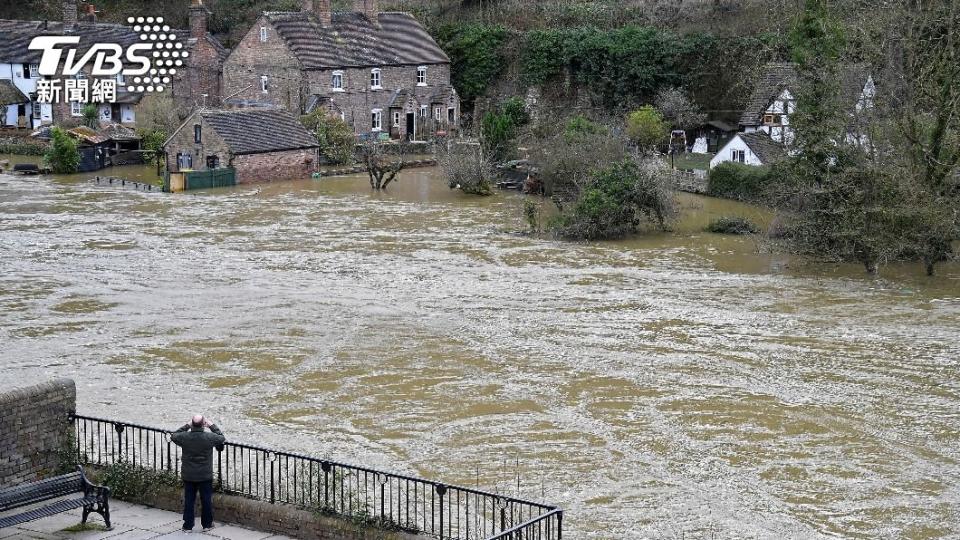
(197, 421)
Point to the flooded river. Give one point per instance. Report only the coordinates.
(672, 386)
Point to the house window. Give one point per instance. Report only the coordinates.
(771, 119)
(213, 162)
(437, 113)
(423, 111)
(451, 115)
(184, 161)
(740, 156)
(34, 71)
(197, 134)
(396, 118)
(264, 84)
(76, 108)
(376, 120)
(121, 79)
(375, 79)
(422, 76)
(337, 80)
(263, 34)
(35, 106)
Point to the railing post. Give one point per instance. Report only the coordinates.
(560, 525)
(118, 427)
(441, 491)
(220, 467)
(325, 465)
(272, 457)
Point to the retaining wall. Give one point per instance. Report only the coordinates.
(35, 430)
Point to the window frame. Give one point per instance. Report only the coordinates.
(264, 84)
(422, 76)
(197, 134)
(739, 156)
(396, 118)
(36, 110)
(424, 110)
(33, 70)
(438, 113)
(376, 79)
(76, 109)
(264, 34)
(334, 77)
(376, 120)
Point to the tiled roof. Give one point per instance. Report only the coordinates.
(777, 76)
(765, 148)
(10, 94)
(352, 40)
(256, 131)
(15, 37)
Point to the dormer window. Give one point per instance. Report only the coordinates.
(375, 82)
(336, 81)
(264, 84)
(422, 76)
(263, 34)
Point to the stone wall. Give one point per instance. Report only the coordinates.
(35, 428)
(252, 58)
(277, 518)
(286, 165)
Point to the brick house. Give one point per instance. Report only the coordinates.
(380, 72)
(19, 65)
(260, 145)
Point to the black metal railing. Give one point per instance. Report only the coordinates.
(379, 498)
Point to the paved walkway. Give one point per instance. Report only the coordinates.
(130, 521)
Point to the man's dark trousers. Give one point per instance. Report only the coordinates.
(190, 501)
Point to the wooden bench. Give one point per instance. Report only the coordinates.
(89, 496)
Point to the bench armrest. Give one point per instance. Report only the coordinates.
(102, 492)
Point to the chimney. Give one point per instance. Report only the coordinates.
(198, 19)
(368, 8)
(320, 8)
(69, 14)
(90, 13)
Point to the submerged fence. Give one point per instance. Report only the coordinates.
(383, 499)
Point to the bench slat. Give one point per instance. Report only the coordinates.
(46, 511)
(23, 495)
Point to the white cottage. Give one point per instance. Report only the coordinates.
(756, 148)
(774, 99)
(18, 81)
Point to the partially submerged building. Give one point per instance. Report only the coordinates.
(380, 72)
(240, 146)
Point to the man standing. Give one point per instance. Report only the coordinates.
(196, 468)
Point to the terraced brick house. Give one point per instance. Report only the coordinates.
(19, 66)
(380, 72)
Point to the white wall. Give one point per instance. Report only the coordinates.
(726, 153)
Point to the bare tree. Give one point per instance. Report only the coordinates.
(383, 162)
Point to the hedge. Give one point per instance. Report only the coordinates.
(739, 182)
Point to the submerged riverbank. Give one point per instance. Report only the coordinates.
(673, 384)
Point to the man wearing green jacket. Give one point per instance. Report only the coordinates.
(196, 468)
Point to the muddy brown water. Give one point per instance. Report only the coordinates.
(675, 385)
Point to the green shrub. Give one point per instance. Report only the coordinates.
(62, 156)
(131, 483)
(618, 200)
(476, 55)
(646, 127)
(739, 182)
(23, 147)
(500, 127)
(732, 225)
(336, 139)
(579, 126)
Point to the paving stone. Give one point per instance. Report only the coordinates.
(232, 532)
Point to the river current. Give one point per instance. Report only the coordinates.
(679, 385)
